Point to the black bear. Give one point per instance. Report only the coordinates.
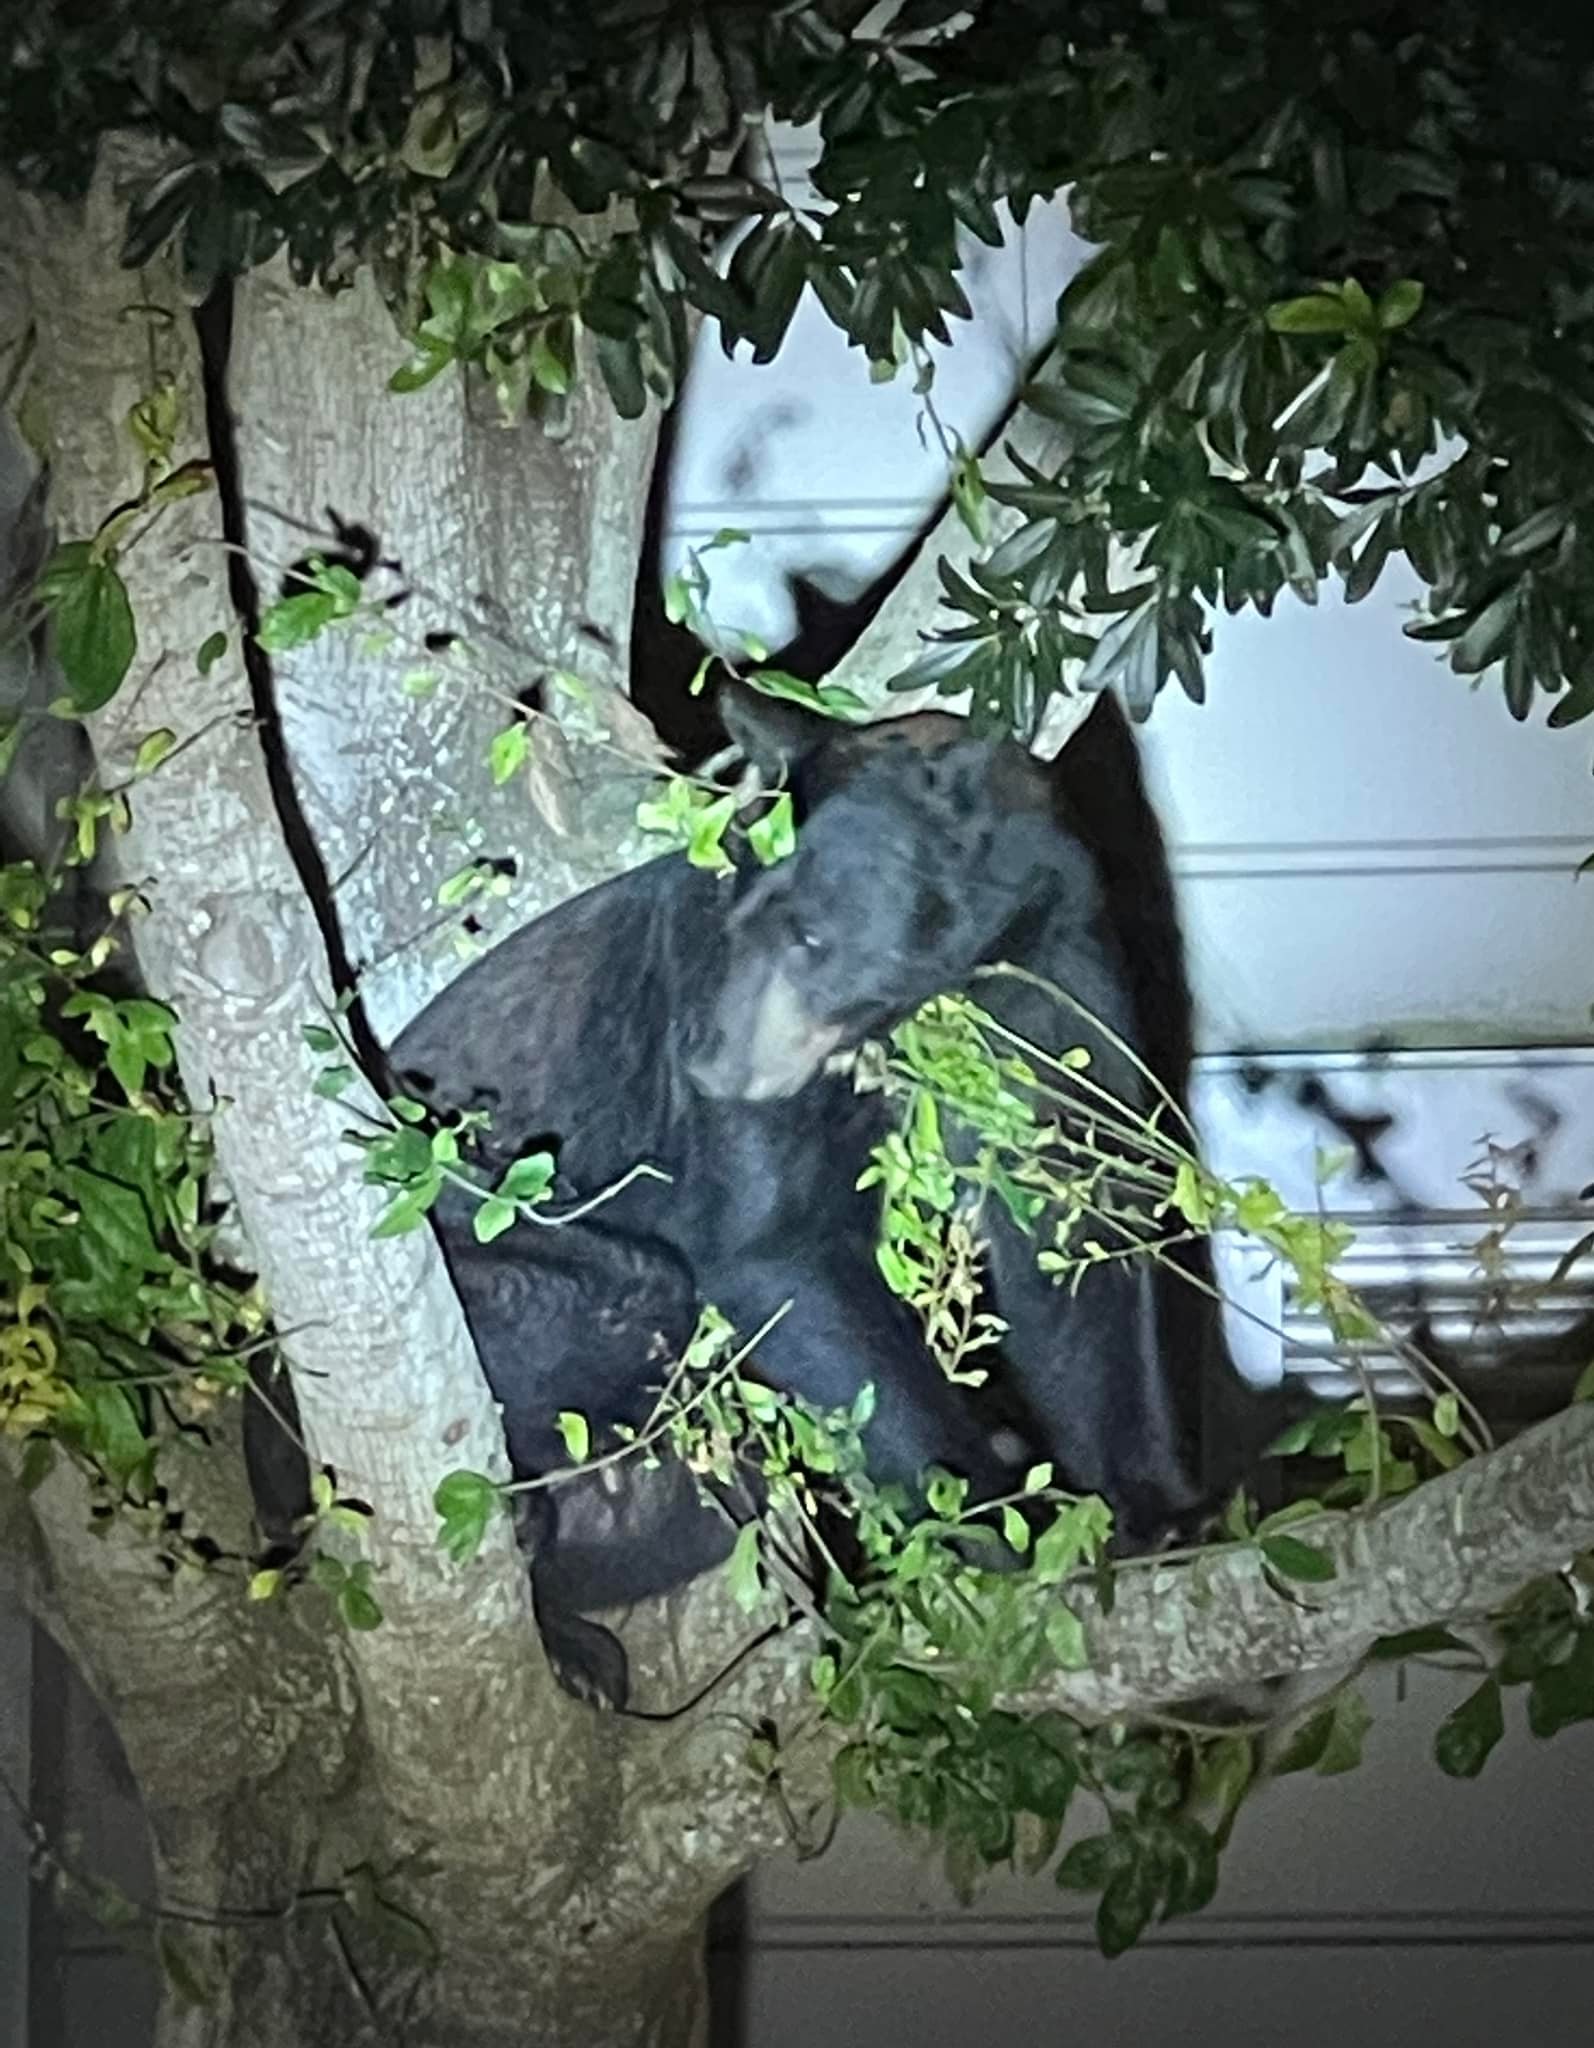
(672, 1017)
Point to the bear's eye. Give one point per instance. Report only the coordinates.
(807, 937)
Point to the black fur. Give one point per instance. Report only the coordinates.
(630, 1019)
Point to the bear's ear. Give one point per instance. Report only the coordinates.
(773, 733)
(776, 735)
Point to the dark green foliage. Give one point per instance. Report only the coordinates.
(1468, 1734)
(1334, 245)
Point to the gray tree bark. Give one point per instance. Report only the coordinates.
(437, 1743)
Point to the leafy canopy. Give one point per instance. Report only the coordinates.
(1340, 309)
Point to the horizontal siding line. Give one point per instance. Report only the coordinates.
(1532, 853)
(1332, 868)
(692, 511)
(1475, 1930)
(939, 1941)
(1518, 1060)
(795, 529)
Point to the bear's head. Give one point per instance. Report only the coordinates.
(920, 848)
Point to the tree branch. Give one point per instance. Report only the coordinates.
(895, 637)
(1454, 1550)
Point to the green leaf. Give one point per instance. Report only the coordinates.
(1223, 1774)
(773, 837)
(1045, 1780)
(492, 1219)
(1317, 313)
(114, 1434)
(1465, 1737)
(1293, 1440)
(1087, 1864)
(1293, 1559)
(507, 754)
(1564, 1693)
(407, 1211)
(573, 1428)
(1484, 641)
(551, 354)
(421, 369)
(126, 1063)
(330, 1573)
(1350, 1722)
(1065, 1638)
(529, 1179)
(968, 496)
(116, 1217)
(1400, 305)
(1187, 1857)
(705, 832)
(1534, 532)
(1127, 1904)
(746, 1574)
(95, 637)
(1416, 1642)
(295, 621)
(358, 1608)
(466, 1503)
(1307, 1745)
(153, 749)
(210, 652)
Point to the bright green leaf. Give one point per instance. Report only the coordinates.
(577, 1435)
(507, 754)
(746, 1573)
(153, 749)
(773, 837)
(492, 1219)
(466, 1503)
(1293, 1559)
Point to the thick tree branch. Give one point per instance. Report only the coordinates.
(1453, 1551)
(895, 637)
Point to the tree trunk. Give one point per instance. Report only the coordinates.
(525, 546)
(427, 1772)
